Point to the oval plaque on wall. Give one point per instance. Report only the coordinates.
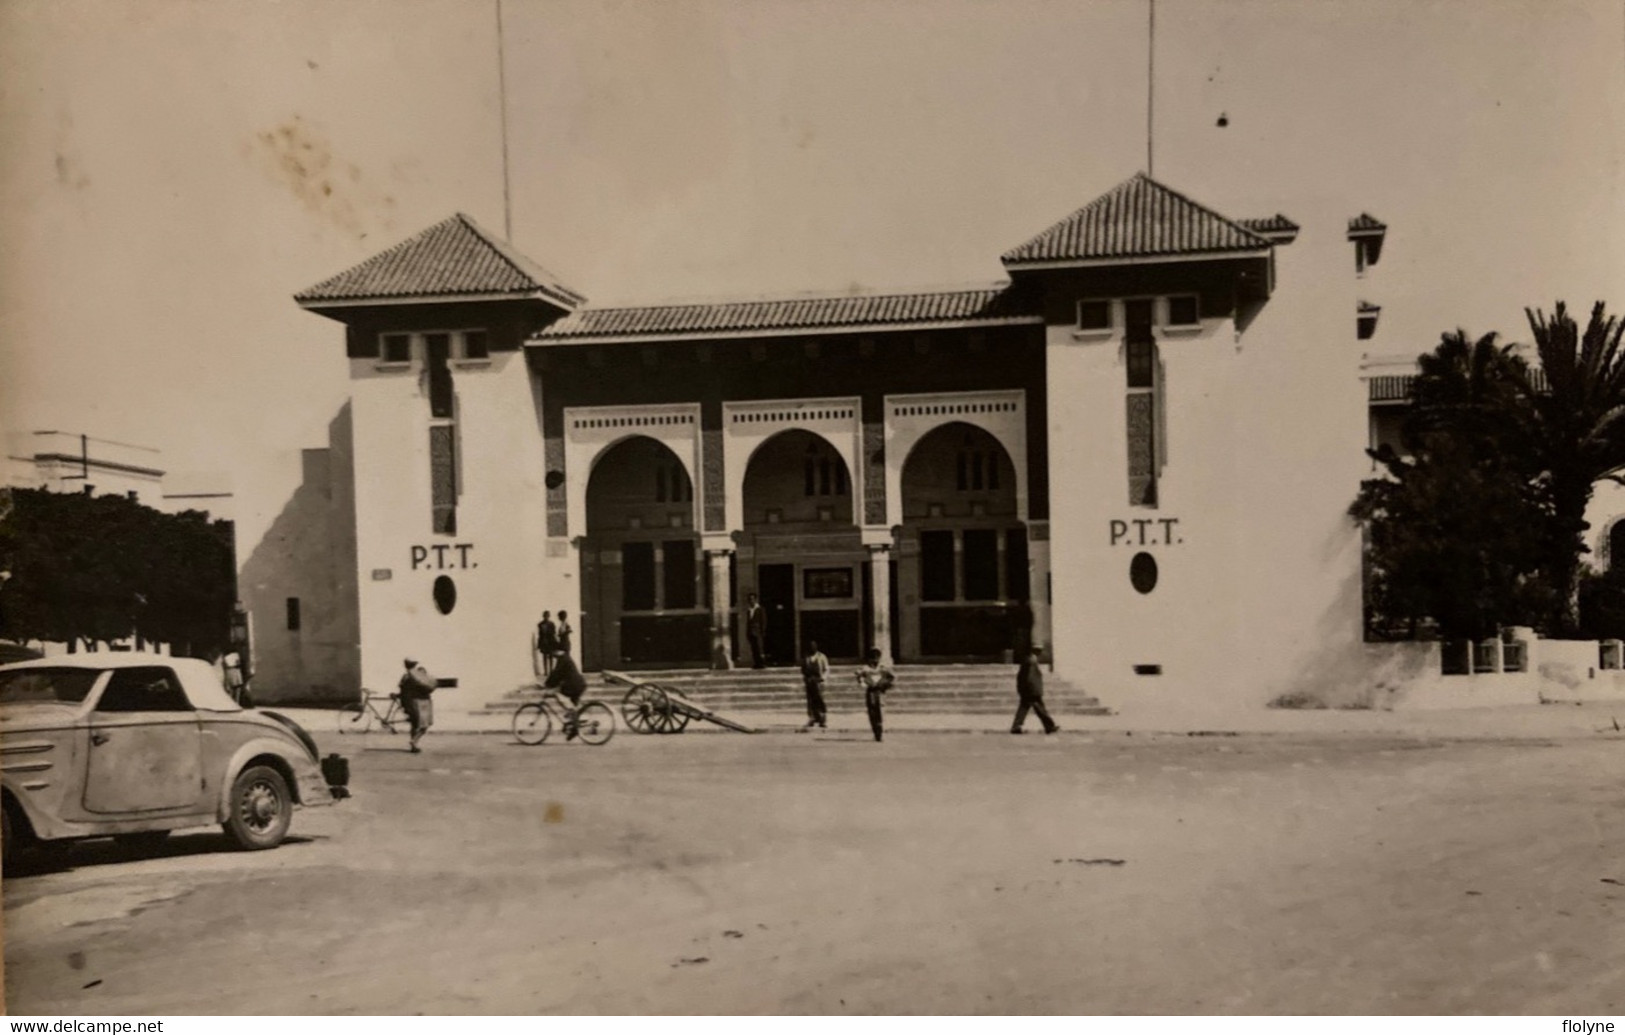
(1142, 572)
(445, 594)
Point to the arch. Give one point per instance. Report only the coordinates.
(910, 418)
(1613, 546)
(797, 477)
(591, 431)
(637, 482)
(964, 555)
(957, 470)
(749, 425)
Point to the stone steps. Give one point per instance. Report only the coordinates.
(920, 689)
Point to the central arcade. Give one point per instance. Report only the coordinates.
(872, 469)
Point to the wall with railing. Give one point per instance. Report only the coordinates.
(1517, 667)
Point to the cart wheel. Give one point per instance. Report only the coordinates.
(531, 723)
(595, 723)
(673, 719)
(643, 706)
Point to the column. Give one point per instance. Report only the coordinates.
(1038, 586)
(880, 603)
(721, 609)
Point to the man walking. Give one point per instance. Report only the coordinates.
(1030, 691)
(547, 641)
(814, 668)
(876, 679)
(416, 688)
(756, 631)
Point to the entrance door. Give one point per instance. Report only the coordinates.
(776, 588)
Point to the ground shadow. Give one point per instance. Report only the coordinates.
(65, 856)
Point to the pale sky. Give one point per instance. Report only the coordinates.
(172, 172)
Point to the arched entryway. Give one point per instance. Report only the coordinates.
(800, 551)
(963, 567)
(643, 588)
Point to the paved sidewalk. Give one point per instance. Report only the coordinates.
(1539, 721)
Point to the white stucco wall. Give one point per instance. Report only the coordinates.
(1258, 589)
(499, 558)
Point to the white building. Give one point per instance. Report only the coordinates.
(1139, 449)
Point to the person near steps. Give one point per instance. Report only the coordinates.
(875, 678)
(1030, 692)
(814, 669)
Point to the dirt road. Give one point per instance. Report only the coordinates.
(826, 874)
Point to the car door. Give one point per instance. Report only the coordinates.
(145, 750)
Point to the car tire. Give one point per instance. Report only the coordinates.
(259, 809)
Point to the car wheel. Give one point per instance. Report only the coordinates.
(260, 808)
(143, 841)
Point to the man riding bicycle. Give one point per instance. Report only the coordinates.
(568, 680)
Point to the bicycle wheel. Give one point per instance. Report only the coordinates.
(531, 723)
(354, 718)
(595, 723)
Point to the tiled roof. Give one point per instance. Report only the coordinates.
(1277, 228)
(1139, 218)
(1366, 223)
(453, 257)
(788, 314)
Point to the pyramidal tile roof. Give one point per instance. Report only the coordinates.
(996, 303)
(1366, 223)
(1139, 218)
(455, 257)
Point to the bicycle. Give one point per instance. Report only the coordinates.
(360, 716)
(533, 721)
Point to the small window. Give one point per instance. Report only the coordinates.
(1141, 364)
(1183, 312)
(476, 345)
(293, 614)
(937, 565)
(397, 348)
(143, 690)
(637, 576)
(1095, 314)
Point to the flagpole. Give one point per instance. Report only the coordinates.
(1150, 83)
(502, 109)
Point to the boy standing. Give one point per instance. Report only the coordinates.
(876, 679)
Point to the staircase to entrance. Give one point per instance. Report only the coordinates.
(920, 690)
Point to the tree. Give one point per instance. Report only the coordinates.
(1458, 531)
(94, 569)
(1578, 433)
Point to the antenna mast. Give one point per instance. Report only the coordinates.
(502, 110)
(1150, 82)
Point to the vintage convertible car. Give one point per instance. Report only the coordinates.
(135, 745)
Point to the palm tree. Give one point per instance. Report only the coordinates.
(1579, 429)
